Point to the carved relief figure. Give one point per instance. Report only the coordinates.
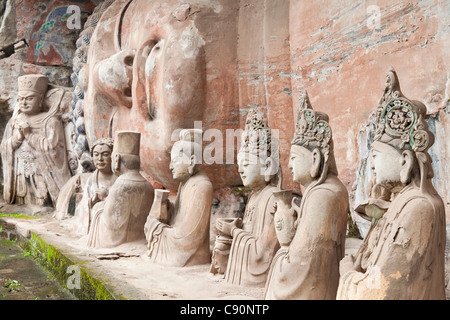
(254, 241)
(120, 218)
(146, 67)
(403, 254)
(34, 155)
(312, 236)
(178, 234)
(97, 186)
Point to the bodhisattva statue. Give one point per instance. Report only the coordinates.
(34, 155)
(120, 218)
(402, 256)
(254, 242)
(312, 236)
(178, 234)
(97, 186)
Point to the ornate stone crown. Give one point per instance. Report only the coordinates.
(399, 121)
(257, 137)
(312, 129)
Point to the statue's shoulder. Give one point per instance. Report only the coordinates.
(332, 186)
(416, 201)
(328, 195)
(202, 181)
(268, 194)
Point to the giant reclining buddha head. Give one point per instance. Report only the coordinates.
(156, 67)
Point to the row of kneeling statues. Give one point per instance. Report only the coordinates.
(293, 245)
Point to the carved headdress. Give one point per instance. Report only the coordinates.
(312, 129)
(33, 82)
(127, 142)
(190, 142)
(400, 122)
(103, 141)
(258, 139)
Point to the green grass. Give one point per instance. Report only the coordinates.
(12, 285)
(16, 215)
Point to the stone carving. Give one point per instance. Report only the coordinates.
(70, 196)
(80, 143)
(402, 256)
(120, 214)
(254, 241)
(312, 236)
(179, 236)
(97, 186)
(34, 155)
(377, 204)
(149, 71)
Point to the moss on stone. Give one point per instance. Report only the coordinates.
(17, 215)
(58, 264)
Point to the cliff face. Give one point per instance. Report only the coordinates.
(262, 53)
(37, 37)
(340, 53)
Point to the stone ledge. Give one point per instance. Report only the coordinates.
(56, 262)
(122, 273)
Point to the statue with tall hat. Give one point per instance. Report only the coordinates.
(403, 255)
(178, 233)
(34, 151)
(120, 214)
(312, 235)
(252, 241)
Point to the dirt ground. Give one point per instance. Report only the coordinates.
(22, 278)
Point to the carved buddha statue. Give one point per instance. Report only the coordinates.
(312, 236)
(254, 241)
(97, 186)
(402, 256)
(120, 215)
(178, 234)
(146, 67)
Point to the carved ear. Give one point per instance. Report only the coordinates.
(116, 158)
(268, 169)
(407, 163)
(192, 165)
(316, 161)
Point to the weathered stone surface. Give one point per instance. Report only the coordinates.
(50, 45)
(403, 255)
(340, 57)
(312, 235)
(262, 53)
(178, 233)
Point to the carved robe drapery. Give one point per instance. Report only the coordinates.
(309, 268)
(84, 213)
(185, 241)
(403, 256)
(121, 217)
(39, 165)
(254, 245)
